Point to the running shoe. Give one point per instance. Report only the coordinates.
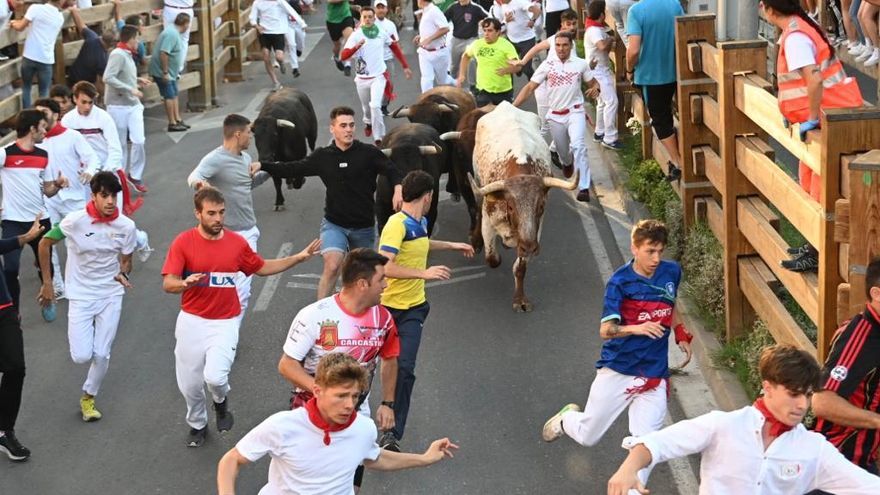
(339, 65)
(597, 138)
(3, 57)
(553, 427)
(282, 67)
(143, 246)
(276, 87)
(184, 124)
(224, 416)
(368, 130)
(176, 128)
(295, 72)
(196, 437)
(800, 250)
(13, 449)
(138, 185)
(674, 173)
(89, 412)
(385, 110)
(389, 442)
(874, 59)
(568, 171)
(49, 312)
(583, 196)
(347, 71)
(616, 145)
(807, 262)
(554, 158)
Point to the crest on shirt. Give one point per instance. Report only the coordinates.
(468, 17)
(670, 289)
(791, 470)
(328, 337)
(839, 373)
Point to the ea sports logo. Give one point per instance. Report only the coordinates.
(839, 373)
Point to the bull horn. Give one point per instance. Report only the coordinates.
(387, 152)
(447, 107)
(285, 123)
(400, 112)
(431, 149)
(496, 186)
(451, 135)
(568, 185)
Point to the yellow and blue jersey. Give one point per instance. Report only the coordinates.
(406, 238)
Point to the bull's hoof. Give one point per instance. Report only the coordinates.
(296, 183)
(493, 261)
(280, 208)
(523, 306)
(477, 243)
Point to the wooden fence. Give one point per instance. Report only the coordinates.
(728, 117)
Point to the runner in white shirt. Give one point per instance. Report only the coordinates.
(367, 45)
(317, 448)
(295, 36)
(389, 27)
(100, 242)
(434, 55)
(271, 19)
(568, 123)
(518, 17)
(597, 45)
(170, 10)
(38, 58)
(553, 10)
(761, 449)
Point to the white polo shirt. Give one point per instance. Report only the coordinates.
(93, 250)
(46, 22)
(70, 155)
(515, 16)
(272, 15)
(734, 461)
(432, 21)
(593, 35)
(301, 463)
(390, 28)
(563, 83)
(100, 132)
(369, 60)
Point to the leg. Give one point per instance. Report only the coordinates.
(176, 106)
(106, 323)
(521, 303)
(138, 139)
(12, 259)
(55, 216)
(609, 103)
(300, 36)
(559, 135)
(377, 90)
(334, 243)
(493, 259)
(854, 19)
(120, 117)
(457, 49)
(543, 108)
(81, 332)
(243, 282)
(441, 68)
(577, 132)
(426, 69)
(269, 66)
(409, 328)
(606, 401)
(185, 37)
(290, 38)
(189, 366)
(362, 87)
(44, 79)
(12, 367)
(848, 27)
(28, 70)
(170, 104)
(218, 361)
(659, 102)
(646, 414)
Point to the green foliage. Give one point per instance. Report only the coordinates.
(741, 357)
(648, 185)
(703, 273)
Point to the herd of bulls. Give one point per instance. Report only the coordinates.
(502, 146)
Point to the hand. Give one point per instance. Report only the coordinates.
(200, 184)
(137, 93)
(397, 199)
(312, 249)
(143, 82)
(417, 40)
(622, 483)
(592, 93)
(503, 71)
(516, 64)
(459, 82)
(255, 167)
(61, 182)
(362, 43)
(85, 177)
(630, 76)
(385, 418)
(508, 17)
(466, 249)
(593, 64)
(438, 272)
(649, 329)
(166, 77)
(46, 296)
(260, 29)
(439, 450)
(688, 353)
(73, 8)
(407, 73)
(35, 231)
(807, 126)
(531, 24)
(192, 280)
(122, 279)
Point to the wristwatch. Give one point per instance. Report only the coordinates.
(389, 403)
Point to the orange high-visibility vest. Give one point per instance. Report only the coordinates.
(839, 91)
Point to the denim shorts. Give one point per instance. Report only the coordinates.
(168, 89)
(336, 238)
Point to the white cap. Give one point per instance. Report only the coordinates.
(380, 2)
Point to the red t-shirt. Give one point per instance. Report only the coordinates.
(215, 297)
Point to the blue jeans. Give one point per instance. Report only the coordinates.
(29, 69)
(336, 238)
(409, 328)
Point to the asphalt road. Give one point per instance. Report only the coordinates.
(487, 377)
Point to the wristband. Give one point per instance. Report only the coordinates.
(682, 335)
(389, 403)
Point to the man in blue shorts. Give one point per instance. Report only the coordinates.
(169, 51)
(637, 319)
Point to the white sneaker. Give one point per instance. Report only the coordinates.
(143, 246)
(874, 59)
(856, 49)
(59, 289)
(865, 55)
(553, 427)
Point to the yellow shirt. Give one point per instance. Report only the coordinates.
(491, 57)
(406, 238)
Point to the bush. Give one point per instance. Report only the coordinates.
(703, 270)
(741, 357)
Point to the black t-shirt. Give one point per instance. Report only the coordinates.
(465, 19)
(91, 60)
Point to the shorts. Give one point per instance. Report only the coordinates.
(658, 99)
(275, 42)
(336, 28)
(341, 239)
(167, 89)
(487, 98)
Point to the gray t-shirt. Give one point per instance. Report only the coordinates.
(231, 175)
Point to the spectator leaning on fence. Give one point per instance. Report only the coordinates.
(171, 11)
(45, 21)
(140, 58)
(92, 58)
(810, 78)
(168, 51)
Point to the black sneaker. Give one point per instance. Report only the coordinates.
(597, 138)
(177, 128)
(196, 437)
(295, 72)
(385, 110)
(13, 449)
(388, 442)
(347, 71)
(455, 197)
(807, 262)
(184, 124)
(798, 251)
(583, 195)
(224, 416)
(339, 64)
(554, 157)
(674, 174)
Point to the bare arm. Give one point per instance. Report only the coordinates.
(611, 329)
(293, 371)
(20, 24)
(813, 77)
(271, 267)
(632, 52)
(533, 51)
(525, 93)
(395, 461)
(393, 270)
(828, 405)
(464, 247)
(77, 20)
(163, 60)
(463, 67)
(437, 35)
(44, 252)
(389, 379)
(626, 477)
(227, 471)
(173, 284)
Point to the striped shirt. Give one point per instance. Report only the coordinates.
(23, 174)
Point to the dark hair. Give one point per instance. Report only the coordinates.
(208, 194)
(128, 33)
(182, 19)
(85, 88)
(49, 103)
(595, 9)
(60, 91)
(109, 38)
(367, 8)
(360, 263)
(105, 181)
(337, 111)
(569, 15)
(26, 120)
(652, 231)
(793, 368)
(234, 123)
(793, 7)
(566, 36)
(872, 276)
(416, 184)
(134, 20)
(493, 21)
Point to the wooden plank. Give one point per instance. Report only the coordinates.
(10, 71)
(844, 174)
(768, 307)
(765, 212)
(696, 102)
(187, 80)
(222, 59)
(709, 62)
(694, 57)
(219, 8)
(804, 287)
(708, 163)
(788, 197)
(841, 220)
(843, 296)
(192, 53)
(249, 37)
(864, 243)
(843, 264)
(708, 210)
(223, 30)
(711, 114)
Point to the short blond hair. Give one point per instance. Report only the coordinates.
(652, 231)
(337, 369)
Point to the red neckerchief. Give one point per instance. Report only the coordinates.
(126, 48)
(776, 427)
(58, 129)
(92, 210)
(129, 206)
(317, 420)
(591, 23)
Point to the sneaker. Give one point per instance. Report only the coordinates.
(455, 197)
(856, 49)
(143, 246)
(196, 437)
(3, 57)
(568, 171)
(807, 262)
(800, 250)
(49, 312)
(388, 442)
(138, 185)
(89, 412)
(583, 196)
(368, 130)
(176, 128)
(616, 145)
(275, 64)
(553, 427)
(597, 138)
(295, 72)
(276, 87)
(339, 64)
(378, 143)
(347, 71)
(385, 110)
(674, 173)
(224, 416)
(184, 124)
(865, 55)
(554, 157)
(13, 449)
(282, 67)
(59, 288)
(874, 59)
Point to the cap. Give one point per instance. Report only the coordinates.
(380, 2)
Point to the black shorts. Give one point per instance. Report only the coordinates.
(486, 98)
(274, 42)
(336, 28)
(658, 100)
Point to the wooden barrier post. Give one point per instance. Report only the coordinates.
(234, 71)
(864, 238)
(201, 97)
(735, 57)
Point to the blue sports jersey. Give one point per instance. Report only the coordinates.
(632, 299)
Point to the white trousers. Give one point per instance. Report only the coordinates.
(543, 109)
(434, 67)
(607, 400)
(292, 45)
(203, 356)
(370, 91)
(91, 328)
(569, 133)
(606, 107)
(130, 126)
(168, 16)
(242, 281)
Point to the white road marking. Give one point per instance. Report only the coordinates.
(298, 285)
(271, 284)
(455, 280)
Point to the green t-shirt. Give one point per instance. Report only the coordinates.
(170, 42)
(444, 4)
(338, 12)
(491, 57)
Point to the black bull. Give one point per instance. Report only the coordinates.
(286, 125)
